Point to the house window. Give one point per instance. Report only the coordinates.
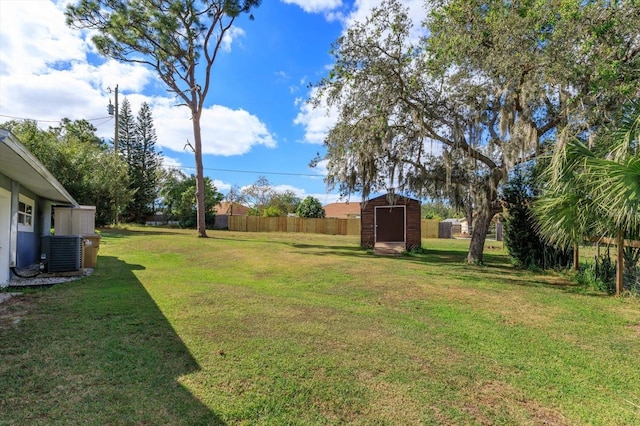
(25, 214)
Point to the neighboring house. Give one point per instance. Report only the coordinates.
(226, 208)
(342, 210)
(459, 226)
(28, 193)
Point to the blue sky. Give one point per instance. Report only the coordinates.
(256, 121)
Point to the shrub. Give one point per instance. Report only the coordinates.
(521, 238)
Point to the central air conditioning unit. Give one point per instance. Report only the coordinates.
(61, 253)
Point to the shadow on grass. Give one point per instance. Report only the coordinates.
(95, 351)
(126, 232)
(496, 266)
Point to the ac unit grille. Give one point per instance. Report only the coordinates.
(63, 253)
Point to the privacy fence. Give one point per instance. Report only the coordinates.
(329, 225)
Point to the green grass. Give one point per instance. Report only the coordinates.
(275, 329)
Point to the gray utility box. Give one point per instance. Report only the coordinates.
(61, 253)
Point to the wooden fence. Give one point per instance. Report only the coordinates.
(328, 225)
(429, 228)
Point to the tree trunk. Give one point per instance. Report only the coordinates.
(479, 236)
(468, 214)
(488, 206)
(200, 206)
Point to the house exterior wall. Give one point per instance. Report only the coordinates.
(5, 221)
(28, 249)
(413, 222)
(20, 245)
(24, 180)
(28, 238)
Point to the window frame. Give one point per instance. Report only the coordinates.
(26, 210)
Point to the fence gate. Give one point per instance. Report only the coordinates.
(390, 224)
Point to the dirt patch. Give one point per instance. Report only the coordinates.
(12, 310)
(635, 328)
(490, 401)
(390, 402)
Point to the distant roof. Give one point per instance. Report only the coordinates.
(20, 165)
(224, 208)
(455, 220)
(342, 210)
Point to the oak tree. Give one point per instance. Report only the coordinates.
(492, 85)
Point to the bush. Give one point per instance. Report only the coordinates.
(310, 207)
(523, 242)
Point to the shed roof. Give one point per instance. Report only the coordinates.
(19, 165)
(397, 197)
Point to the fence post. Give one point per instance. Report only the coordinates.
(620, 264)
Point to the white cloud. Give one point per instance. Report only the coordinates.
(45, 76)
(38, 38)
(316, 120)
(315, 6)
(334, 10)
(232, 34)
(324, 198)
(224, 131)
(171, 163)
(221, 186)
(321, 167)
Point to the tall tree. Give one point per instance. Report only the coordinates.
(179, 193)
(127, 145)
(127, 138)
(137, 146)
(178, 39)
(491, 86)
(258, 195)
(80, 162)
(286, 202)
(234, 196)
(149, 161)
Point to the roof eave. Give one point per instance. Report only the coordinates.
(60, 193)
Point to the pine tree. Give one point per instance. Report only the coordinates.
(126, 140)
(147, 164)
(126, 131)
(137, 140)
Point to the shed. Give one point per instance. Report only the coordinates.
(391, 223)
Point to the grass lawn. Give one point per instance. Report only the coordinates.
(278, 329)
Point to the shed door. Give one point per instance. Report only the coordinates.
(390, 224)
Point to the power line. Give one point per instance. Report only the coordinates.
(52, 121)
(249, 171)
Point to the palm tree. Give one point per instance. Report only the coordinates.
(595, 190)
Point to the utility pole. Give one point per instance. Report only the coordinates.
(114, 111)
